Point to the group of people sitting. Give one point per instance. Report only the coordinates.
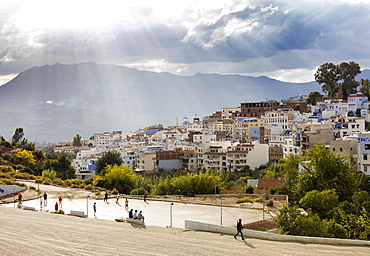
(134, 215)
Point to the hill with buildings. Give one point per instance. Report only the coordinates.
(54, 102)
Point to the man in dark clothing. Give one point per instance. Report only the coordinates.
(106, 197)
(239, 228)
(131, 214)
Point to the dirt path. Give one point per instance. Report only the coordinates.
(40, 233)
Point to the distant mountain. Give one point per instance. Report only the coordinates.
(54, 102)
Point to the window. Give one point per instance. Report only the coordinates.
(365, 157)
(367, 146)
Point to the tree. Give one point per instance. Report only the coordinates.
(26, 157)
(365, 87)
(320, 202)
(347, 74)
(77, 140)
(17, 137)
(117, 177)
(61, 165)
(108, 158)
(311, 99)
(327, 74)
(327, 170)
(330, 74)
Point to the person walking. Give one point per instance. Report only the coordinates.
(126, 204)
(239, 228)
(56, 206)
(94, 207)
(117, 198)
(20, 196)
(60, 202)
(106, 196)
(45, 198)
(145, 195)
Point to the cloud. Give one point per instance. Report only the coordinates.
(230, 36)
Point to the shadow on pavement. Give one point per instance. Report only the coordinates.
(248, 244)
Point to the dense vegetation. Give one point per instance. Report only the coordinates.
(335, 198)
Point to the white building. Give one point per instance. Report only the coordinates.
(356, 101)
(227, 113)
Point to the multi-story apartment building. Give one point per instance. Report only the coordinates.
(228, 113)
(347, 146)
(257, 109)
(308, 135)
(356, 102)
(235, 157)
(363, 151)
(280, 117)
(145, 160)
(107, 138)
(344, 126)
(244, 125)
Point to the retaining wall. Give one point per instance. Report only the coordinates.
(194, 225)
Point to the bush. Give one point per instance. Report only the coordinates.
(5, 144)
(248, 190)
(114, 192)
(22, 175)
(88, 187)
(6, 176)
(6, 168)
(60, 211)
(58, 181)
(66, 183)
(258, 200)
(246, 199)
(138, 191)
(32, 187)
(47, 181)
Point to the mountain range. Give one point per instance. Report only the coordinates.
(55, 102)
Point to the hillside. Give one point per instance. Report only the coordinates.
(54, 102)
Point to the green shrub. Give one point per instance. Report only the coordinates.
(6, 176)
(32, 187)
(88, 187)
(258, 200)
(22, 175)
(114, 191)
(248, 190)
(58, 181)
(6, 168)
(138, 191)
(66, 183)
(246, 199)
(60, 211)
(5, 144)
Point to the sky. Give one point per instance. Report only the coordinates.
(283, 39)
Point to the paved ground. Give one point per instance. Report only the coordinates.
(41, 233)
(157, 213)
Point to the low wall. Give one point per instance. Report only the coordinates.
(194, 225)
(10, 189)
